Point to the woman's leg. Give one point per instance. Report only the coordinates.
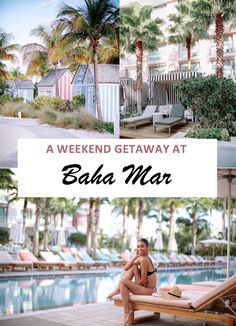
(127, 286)
(127, 276)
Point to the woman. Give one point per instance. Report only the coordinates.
(141, 268)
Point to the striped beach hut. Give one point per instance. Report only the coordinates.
(47, 85)
(162, 86)
(108, 83)
(20, 88)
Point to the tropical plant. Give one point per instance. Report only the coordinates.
(62, 206)
(16, 73)
(212, 99)
(218, 12)
(6, 52)
(78, 239)
(139, 32)
(184, 28)
(89, 23)
(35, 247)
(40, 58)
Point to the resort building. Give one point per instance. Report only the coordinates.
(20, 88)
(171, 57)
(47, 85)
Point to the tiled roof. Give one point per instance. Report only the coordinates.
(50, 78)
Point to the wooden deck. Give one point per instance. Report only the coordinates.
(147, 131)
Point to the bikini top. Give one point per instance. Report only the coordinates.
(154, 269)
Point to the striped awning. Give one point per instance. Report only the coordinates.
(174, 75)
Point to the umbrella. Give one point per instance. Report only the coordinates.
(159, 242)
(172, 245)
(133, 242)
(16, 234)
(61, 238)
(227, 189)
(214, 242)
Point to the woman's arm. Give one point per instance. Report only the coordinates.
(144, 269)
(131, 262)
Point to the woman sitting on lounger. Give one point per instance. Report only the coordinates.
(142, 270)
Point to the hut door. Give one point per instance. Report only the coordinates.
(91, 100)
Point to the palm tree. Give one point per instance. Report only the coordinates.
(90, 23)
(6, 52)
(41, 57)
(139, 32)
(218, 12)
(35, 248)
(16, 73)
(184, 28)
(46, 224)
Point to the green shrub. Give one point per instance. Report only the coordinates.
(9, 109)
(212, 99)
(5, 99)
(48, 115)
(52, 101)
(78, 238)
(4, 236)
(208, 133)
(83, 120)
(77, 102)
(65, 120)
(17, 99)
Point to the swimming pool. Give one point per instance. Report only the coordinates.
(19, 295)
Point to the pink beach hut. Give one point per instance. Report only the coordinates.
(47, 85)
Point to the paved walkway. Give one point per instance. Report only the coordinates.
(104, 314)
(11, 129)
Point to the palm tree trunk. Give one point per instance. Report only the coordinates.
(223, 220)
(89, 225)
(194, 233)
(124, 233)
(188, 46)
(62, 218)
(172, 224)
(140, 218)
(24, 218)
(56, 81)
(36, 229)
(96, 225)
(139, 60)
(98, 103)
(219, 29)
(46, 225)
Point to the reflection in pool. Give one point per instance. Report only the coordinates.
(18, 295)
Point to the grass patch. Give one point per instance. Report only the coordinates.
(65, 120)
(48, 115)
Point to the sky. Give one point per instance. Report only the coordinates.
(19, 17)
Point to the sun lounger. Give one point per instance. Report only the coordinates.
(67, 257)
(113, 258)
(4, 265)
(14, 263)
(146, 117)
(176, 116)
(97, 263)
(50, 257)
(39, 264)
(218, 305)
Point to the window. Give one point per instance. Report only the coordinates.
(130, 59)
(228, 46)
(29, 213)
(194, 66)
(183, 53)
(228, 68)
(157, 70)
(159, 55)
(131, 73)
(3, 213)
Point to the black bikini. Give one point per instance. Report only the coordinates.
(154, 271)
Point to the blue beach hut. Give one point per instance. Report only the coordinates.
(108, 83)
(20, 88)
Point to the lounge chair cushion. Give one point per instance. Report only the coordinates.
(147, 114)
(215, 293)
(188, 287)
(168, 121)
(177, 111)
(157, 301)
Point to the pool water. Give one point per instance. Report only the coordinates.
(19, 295)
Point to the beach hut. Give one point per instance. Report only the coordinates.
(47, 85)
(20, 88)
(108, 83)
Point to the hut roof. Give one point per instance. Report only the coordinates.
(50, 78)
(106, 73)
(26, 84)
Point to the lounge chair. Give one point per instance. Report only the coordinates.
(67, 257)
(97, 263)
(176, 116)
(113, 258)
(216, 305)
(50, 257)
(146, 117)
(39, 264)
(14, 263)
